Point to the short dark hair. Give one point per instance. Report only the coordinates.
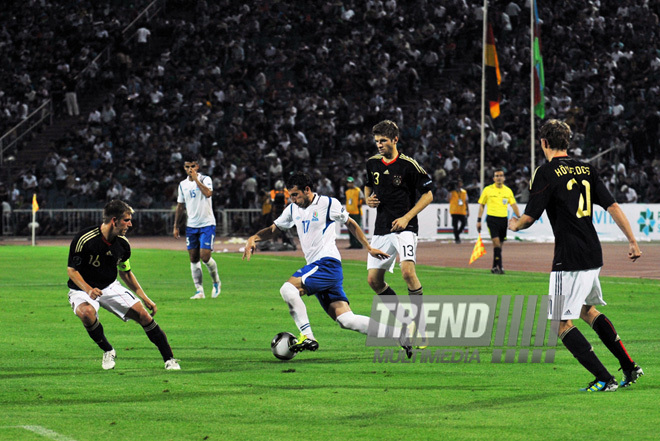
(557, 133)
(115, 208)
(189, 157)
(301, 180)
(386, 128)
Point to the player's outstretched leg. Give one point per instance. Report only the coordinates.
(360, 323)
(578, 345)
(158, 337)
(608, 335)
(95, 331)
(298, 312)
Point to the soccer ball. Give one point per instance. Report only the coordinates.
(280, 345)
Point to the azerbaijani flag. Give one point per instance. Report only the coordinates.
(493, 77)
(539, 77)
(35, 204)
(478, 251)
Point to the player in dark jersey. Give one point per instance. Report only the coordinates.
(95, 255)
(567, 189)
(393, 184)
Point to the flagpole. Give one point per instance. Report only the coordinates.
(483, 98)
(35, 208)
(34, 226)
(531, 89)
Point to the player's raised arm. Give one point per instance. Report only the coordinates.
(206, 191)
(265, 234)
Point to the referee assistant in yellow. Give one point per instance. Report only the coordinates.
(354, 201)
(497, 197)
(458, 209)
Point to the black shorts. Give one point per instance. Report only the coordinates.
(497, 227)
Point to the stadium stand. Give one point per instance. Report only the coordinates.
(265, 87)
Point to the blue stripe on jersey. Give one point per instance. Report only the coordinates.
(328, 222)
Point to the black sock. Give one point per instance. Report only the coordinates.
(605, 330)
(419, 319)
(96, 333)
(158, 337)
(578, 345)
(388, 292)
(497, 257)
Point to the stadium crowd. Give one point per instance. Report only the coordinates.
(259, 89)
(46, 44)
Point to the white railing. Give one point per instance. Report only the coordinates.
(16, 133)
(146, 222)
(150, 11)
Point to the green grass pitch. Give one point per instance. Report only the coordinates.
(231, 387)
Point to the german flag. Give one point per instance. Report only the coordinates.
(493, 77)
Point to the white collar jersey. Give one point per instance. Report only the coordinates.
(315, 225)
(198, 207)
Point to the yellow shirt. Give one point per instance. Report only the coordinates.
(354, 200)
(458, 202)
(497, 200)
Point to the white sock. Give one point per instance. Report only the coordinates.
(196, 270)
(213, 270)
(360, 323)
(297, 308)
(349, 320)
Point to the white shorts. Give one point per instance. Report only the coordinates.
(570, 290)
(116, 299)
(403, 244)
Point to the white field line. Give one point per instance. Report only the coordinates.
(39, 430)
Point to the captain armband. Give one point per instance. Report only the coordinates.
(124, 266)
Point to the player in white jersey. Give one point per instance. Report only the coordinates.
(194, 196)
(314, 217)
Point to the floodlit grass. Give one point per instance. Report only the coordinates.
(231, 387)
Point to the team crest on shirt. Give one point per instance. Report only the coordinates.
(315, 216)
(396, 180)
